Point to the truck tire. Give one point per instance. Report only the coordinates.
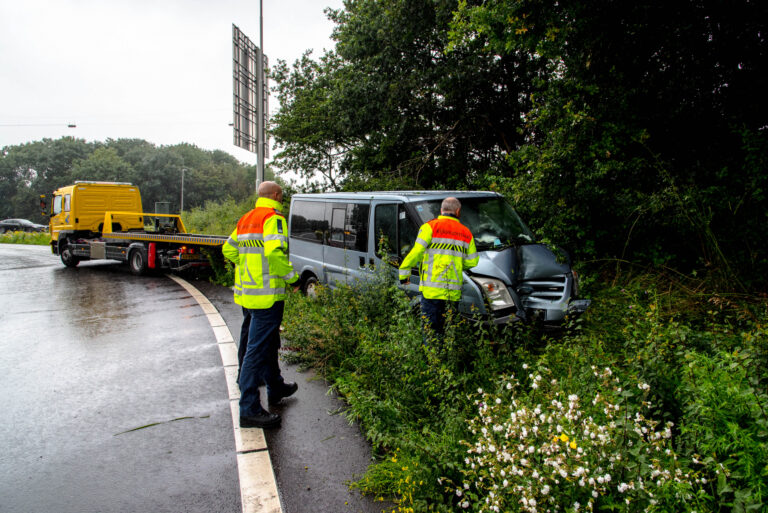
(137, 261)
(309, 286)
(67, 257)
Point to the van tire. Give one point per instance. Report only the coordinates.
(67, 257)
(137, 261)
(309, 286)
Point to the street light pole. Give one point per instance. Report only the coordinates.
(181, 209)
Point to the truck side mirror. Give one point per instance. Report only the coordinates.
(43, 205)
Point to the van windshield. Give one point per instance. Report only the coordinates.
(493, 222)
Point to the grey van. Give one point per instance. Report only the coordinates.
(340, 238)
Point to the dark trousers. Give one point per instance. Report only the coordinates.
(433, 313)
(244, 329)
(260, 365)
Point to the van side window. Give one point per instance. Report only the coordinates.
(385, 228)
(308, 221)
(66, 202)
(349, 225)
(338, 216)
(56, 205)
(395, 233)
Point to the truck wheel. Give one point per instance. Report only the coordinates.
(137, 261)
(309, 287)
(67, 257)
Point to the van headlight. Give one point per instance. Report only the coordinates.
(496, 292)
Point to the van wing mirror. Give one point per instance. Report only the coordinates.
(43, 205)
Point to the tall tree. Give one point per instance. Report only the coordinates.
(650, 110)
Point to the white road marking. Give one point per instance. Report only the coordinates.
(258, 488)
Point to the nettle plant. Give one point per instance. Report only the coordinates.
(540, 448)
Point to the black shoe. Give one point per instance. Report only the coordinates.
(287, 390)
(263, 420)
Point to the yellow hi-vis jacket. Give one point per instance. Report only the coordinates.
(259, 247)
(443, 248)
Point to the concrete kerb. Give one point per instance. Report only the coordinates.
(258, 487)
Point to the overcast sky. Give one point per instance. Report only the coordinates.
(159, 70)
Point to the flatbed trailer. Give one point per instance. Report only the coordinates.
(100, 220)
(172, 248)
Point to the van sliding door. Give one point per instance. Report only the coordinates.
(346, 249)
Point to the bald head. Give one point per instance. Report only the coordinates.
(270, 190)
(450, 206)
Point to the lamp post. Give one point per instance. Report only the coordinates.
(183, 170)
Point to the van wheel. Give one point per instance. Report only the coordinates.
(137, 261)
(309, 287)
(67, 257)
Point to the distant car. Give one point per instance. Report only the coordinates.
(20, 225)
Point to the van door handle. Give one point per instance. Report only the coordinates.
(362, 261)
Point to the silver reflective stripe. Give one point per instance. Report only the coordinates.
(276, 237)
(445, 272)
(263, 292)
(421, 241)
(249, 236)
(448, 252)
(471, 257)
(232, 242)
(446, 286)
(455, 242)
(266, 278)
(289, 276)
(250, 250)
(250, 277)
(404, 273)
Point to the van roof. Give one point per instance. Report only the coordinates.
(406, 196)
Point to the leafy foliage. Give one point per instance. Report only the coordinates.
(678, 425)
(34, 238)
(29, 170)
(650, 112)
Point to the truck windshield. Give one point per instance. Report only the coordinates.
(493, 222)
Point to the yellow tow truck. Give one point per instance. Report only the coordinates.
(104, 220)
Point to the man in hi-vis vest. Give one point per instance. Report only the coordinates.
(443, 249)
(259, 247)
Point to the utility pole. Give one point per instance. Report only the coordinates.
(181, 209)
(260, 128)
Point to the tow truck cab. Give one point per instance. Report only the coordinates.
(79, 209)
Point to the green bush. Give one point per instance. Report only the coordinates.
(35, 238)
(538, 446)
(216, 218)
(684, 410)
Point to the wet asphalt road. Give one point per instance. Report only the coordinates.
(113, 398)
(89, 354)
(316, 453)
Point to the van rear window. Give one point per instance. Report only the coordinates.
(308, 221)
(336, 224)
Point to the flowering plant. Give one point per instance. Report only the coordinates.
(539, 448)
